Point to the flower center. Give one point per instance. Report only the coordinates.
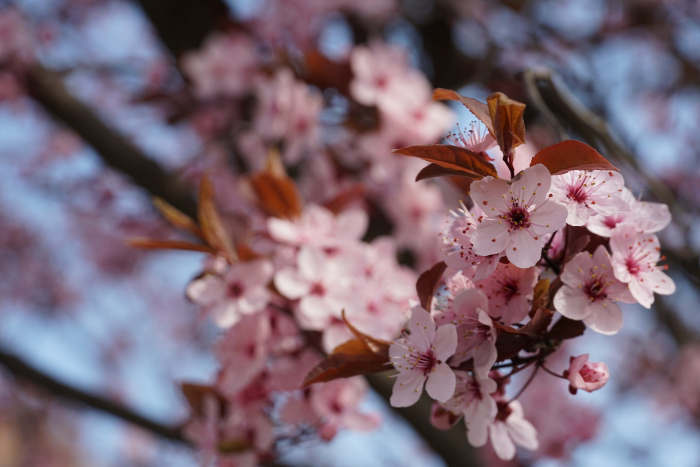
(424, 362)
(596, 289)
(318, 289)
(235, 290)
(589, 375)
(518, 217)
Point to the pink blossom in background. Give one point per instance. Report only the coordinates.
(473, 400)
(419, 357)
(242, 290)
(510, 429)
(517, 216)
(509, 290)
(336, 404)
(227, 65)
(459, 248)
(590, 291)
(589, 376)
(589, 193)
(646, 217)
(242, 352)
(634, 260)
(377, 71)
(319, 227)
(476, 336)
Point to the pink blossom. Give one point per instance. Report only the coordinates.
(323, 287)
(509, 290)
(473, 399)
(510, 429)
(586, 375)
(242, 352)
(421, 356)
(376, 71)
(226, 65)
(646, 217)
(518, 215)
(476, 336)
(477, 139)
(318, 226)
(459, 248)
(288, 111)
(336, 404)
(634, 260)
(590, 291)
(589, 193)
(242, 290)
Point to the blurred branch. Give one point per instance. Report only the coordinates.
(24, 371)
(451, 445)
(116, 151)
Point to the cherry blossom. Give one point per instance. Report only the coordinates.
(476, 336)
(421, 356)
(376, 71)
(509, 290)
(240, 291)
(336, 404)
(476, 139)
(645, 216)
(473, 399)
(590, 291)
(589, 376)
(634, 260)
(510, 429)
(213, 71)
(242, 352)
(589, 193)
(318, 226)
(517, 216)
(459, 248)
(323, 287)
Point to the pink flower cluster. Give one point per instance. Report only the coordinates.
(518, 232)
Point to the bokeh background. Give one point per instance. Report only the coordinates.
(104, 103)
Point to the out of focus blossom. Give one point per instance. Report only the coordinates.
(510, 429)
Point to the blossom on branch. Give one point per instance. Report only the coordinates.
(517, 216)
(420, 355)
(589, 376)
(589, 193)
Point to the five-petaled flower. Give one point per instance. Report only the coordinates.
(586, 375)
(518, 215)
(589, 193)
(634, 259)
(590, 291)
(420, 355)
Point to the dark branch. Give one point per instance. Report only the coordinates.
(115, 150)
(26, 372)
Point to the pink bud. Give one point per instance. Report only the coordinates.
(586, 375)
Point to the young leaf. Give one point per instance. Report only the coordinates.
(508, 124)
(428, 283)
(277, 196)
(434, 170)
(212, 227)
(541, 297)
(571, 155)
(478, 109)
(195, 394)
(338, 203)
(169, 245)
(177, 218)
(538, 325)
(377, 346)
(460, 160)
(352, 358)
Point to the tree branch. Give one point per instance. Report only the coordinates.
(24, 371)
(115, 150)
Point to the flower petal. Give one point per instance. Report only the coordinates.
(407, 389)
(441, 383)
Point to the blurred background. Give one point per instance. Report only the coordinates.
(106, 103)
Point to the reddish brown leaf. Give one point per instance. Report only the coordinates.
(461, 160)
(338, 203)
(195, 394)
(349, 359)
(210, 222)
(566, 328)
(478, 109)
(326, 73)
(434, 170)
(507, 117)
(234, 445)
(169, 245)
(177, 218)
(541, 297)
(571, 155)
(277, 196)
(360, 356)
(462, 184)
(428, 283)
(538, 325)
(511, 341)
